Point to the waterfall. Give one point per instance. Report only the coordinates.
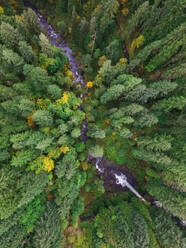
(183, 223)
(122, 180)
(100, 170)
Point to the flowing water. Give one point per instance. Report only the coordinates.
(58, 41)
(100, 170)
(122, 180)
(114, 175)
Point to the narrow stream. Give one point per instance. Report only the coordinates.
(58, 41)
(114, 176)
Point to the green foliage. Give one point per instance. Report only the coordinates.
(31, 21)
(116, 153)
(61, 6)
(174, 102)
(141, 236)
(13, 238)
(157, 28)
(171, 47)
(4, 142)
(26, 107)
(76, 132)
(9, 222)
(6, 92)
(152, 157)
(45, 45)
(118, 90)
(125, 133)
(12, 60)
(62, 27)
(13, 194)
(22, 158)
(80, 147)
(54, 91)
(172, 200)
(163, 87)
(136, 109)
(121, 226)
(146, 119)
(108, 10)
(96, 132)
(138, 17)
(113, 51)
(158, 143)
(167, 231)
(69, 160)
(96, 151)
(175, 176)
(27, 53)
(113, 93)
(9, 35)
(48, 229)
(43, 118)
(32, 212)
(87, 63)
(77, 209)
(37, 77)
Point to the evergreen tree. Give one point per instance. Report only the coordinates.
(27, 53)
(43, 118)
(167, 231)
(138, 18)
(48, 228)
(109, 9)
(96, 132)
(113, 51)
(46, 47)
(9, 35)
(15, 195)
(37, 77)
(172, 200)
(14, 238)
(12, 60)
(174, 102)
(31, 21)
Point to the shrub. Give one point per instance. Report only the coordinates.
(62, 27)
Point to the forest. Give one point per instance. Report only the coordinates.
(92, 124)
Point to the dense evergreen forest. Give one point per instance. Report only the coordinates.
(132, 57)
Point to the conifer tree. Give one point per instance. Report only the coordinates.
(167, 231)
(172, 200)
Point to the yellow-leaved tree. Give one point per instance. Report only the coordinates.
(136, 43)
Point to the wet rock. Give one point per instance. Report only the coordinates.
(107, 171)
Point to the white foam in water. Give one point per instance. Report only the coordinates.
(97, 165)
(39, 16)
(122, 180)
(158, 204)
(183, 223)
